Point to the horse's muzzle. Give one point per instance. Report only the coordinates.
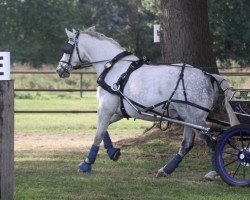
(62, 72)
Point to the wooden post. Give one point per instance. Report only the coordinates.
(81, 84)
(6, 139)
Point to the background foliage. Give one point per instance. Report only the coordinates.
(230, 25)
(34, 30)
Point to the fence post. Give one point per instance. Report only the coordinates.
(81, 84)
(6, 129)
(6, 139)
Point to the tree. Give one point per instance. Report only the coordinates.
(229, 23)
(129, 22)
(185, 33)
(33, 30)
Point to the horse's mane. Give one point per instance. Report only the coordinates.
(100, 36)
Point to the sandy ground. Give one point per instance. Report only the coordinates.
(58, 142)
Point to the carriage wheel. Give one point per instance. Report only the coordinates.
(233, 155)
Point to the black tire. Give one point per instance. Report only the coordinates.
(233, 155)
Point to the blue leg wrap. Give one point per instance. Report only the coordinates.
(92, 154)
(113, 153)
(214, 168)
(172, 164)
(84, 167)
(107, 141)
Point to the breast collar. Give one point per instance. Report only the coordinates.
(118, 87)
(107, 68)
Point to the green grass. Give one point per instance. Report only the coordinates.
(52, 81)
(61, 123)
(54, 176)
(64, 123)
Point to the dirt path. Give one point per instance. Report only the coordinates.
(53, 141)
(73, 141)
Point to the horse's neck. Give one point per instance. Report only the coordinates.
(100, 50)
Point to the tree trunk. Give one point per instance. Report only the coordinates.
(185, 35)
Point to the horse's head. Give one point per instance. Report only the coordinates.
(71, 57)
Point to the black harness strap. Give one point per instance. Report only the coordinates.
(108, 66)
(77, 49)
(124, 79)
(191, 104)
(166, 103)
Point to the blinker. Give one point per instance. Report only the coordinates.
(68, 48)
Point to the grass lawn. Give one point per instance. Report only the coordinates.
(53, 175)
(63, 123)
(49, 172)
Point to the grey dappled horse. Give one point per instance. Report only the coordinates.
(143, 89)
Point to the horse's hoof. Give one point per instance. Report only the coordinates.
(114, 154)
(84, 167)
(161, 173)
(211, 176)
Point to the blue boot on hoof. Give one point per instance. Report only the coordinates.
(114, 153)
(84, 167)
(173, 164)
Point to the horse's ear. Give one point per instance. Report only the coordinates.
(74, 31)
(69, 33)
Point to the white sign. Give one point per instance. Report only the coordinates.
(156, 33)
(4, 66)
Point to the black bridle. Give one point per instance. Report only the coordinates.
(68, 48)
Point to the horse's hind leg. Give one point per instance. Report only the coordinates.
(186, 146)
(211, 176)
(113, 153)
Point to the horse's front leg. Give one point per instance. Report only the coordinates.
(104, 117)
(113, 153)
(103, 123)
(186, 146)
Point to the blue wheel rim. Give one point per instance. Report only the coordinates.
(236, 170)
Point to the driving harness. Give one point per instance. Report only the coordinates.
(118, 87)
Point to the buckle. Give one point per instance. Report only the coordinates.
(146, 60)
(108, 65)
(115, 87)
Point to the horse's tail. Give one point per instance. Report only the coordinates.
(224, 85)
